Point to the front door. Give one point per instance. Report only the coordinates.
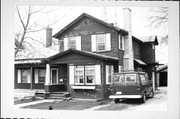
(54, 75)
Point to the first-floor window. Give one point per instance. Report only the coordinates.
(109, 73)
(24, 75)
(79, 75)
(90, 74)
(84, 75)
(40, 75)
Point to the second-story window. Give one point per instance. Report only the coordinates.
(101, 42)
(121, 42)
(72, 42)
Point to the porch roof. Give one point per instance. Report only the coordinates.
(139, 62)
(29, 61)
(85, 53)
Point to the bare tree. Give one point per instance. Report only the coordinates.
(160, 21)
(28, 28)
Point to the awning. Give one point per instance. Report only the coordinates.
(139, 62)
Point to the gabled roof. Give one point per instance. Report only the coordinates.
(86, 53)
(149, 39)
(90, 17)
(29, 61)
(162, 68)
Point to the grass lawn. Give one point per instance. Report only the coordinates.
(67, 105)
(21, 101)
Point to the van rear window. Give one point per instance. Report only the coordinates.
(118, 78)
(130, 77)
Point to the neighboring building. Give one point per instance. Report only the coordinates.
(90, 51)
(162, 74)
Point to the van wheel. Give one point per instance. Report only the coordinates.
(116, 100)
(151, 95)
(143, 99)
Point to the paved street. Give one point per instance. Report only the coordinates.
(158, 103)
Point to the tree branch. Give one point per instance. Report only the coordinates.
(19, 15)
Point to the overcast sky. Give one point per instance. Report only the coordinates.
(65, 14)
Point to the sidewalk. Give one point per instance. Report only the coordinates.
(32, 103)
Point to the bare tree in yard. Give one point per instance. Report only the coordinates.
(160, 21)
(29, 27)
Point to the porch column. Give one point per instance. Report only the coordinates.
(31, 77)
(153, 80)
(47, 81)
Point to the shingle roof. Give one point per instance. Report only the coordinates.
(93, 18)
(90, 54)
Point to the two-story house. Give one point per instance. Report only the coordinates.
(90, 51)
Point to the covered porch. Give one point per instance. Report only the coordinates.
(82, 74)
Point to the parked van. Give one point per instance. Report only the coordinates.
(131, 85)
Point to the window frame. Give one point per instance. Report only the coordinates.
(75, 75)
(85, 83)
(97, 42)
(93, 82)
(70, 38)
(135, 78)
(121, 42)
(38, 76)
(109, 73)
(21, 76)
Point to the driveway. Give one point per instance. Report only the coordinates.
(157, 103)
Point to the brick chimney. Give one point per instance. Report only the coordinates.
(48, 37)
(128, 59)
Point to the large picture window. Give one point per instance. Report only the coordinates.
(84, 75)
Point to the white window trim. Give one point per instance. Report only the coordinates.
(36, 80)
(83, 87)
(20, 76)
(123, 38)
(107, 73)
(97, 76)
(86, 75)
(94, 44)
(75, 75)
(77, 42)
(56, 76)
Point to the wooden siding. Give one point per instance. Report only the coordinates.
(147, 53)
(137, 50)
(27, 85)
(85, 31)
(74, 58)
